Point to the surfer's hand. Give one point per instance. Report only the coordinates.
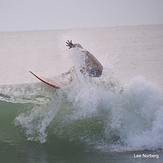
(69, 44)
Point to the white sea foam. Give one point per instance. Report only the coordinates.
(118, 111)
(131, 115)
(137, 118)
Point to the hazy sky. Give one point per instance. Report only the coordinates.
(16, 15)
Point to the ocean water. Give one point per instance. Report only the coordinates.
(115, 118)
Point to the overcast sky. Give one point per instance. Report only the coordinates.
(18, 15)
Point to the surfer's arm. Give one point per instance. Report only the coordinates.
(91, 62)
(71, 45)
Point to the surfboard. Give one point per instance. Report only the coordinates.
(47, 81)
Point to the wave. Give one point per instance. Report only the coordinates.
(102, 113)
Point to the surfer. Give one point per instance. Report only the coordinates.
(85, 62)
(90, 65)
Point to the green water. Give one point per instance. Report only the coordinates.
(85, 124)
(93, 121)
(15, 148)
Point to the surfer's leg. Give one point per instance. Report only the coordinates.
(69, 71)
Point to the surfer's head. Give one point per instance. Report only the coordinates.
(71, 45)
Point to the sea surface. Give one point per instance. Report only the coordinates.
(117, 118)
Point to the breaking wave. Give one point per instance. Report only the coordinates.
(102, 113)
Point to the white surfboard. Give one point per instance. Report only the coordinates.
(47, 81)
